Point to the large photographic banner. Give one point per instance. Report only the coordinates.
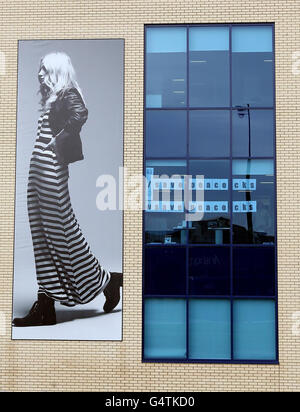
(68, 245)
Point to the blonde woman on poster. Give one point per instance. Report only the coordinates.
(66, 269)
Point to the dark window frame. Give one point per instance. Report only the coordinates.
(231, 245)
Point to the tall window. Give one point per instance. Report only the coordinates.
(209, 263)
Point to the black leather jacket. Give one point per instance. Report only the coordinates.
(66, 118)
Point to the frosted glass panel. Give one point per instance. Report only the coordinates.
(154, 100)
(209, 329)
(166, 40)
(209, 38)
(254, 329)
(209, 113)
(165, 328)
(253, 167)
(252, 39)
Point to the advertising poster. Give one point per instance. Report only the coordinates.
(68, 246)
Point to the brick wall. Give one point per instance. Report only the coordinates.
(116, 366)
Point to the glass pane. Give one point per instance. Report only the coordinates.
(165, 217)
(165, 328)
(253, 39)
(254, 329)
(252, 66)
(209, 67)
(166, 67)
(166, 133)
(165, 167)
(253, 201)
(214, 225)
(209, 329)
(253, 167)
(165, 228)
(209, 133)
(209, 270)
(165, 271)
(254, 271)
(253, 133)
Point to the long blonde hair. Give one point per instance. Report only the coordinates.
(59, 77)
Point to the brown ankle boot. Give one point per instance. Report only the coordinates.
(112, 291)
(42, 313)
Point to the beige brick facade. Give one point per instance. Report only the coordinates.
(117, 366)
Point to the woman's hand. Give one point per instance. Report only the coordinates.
(50, 145)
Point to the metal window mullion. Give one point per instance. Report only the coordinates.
(188, 170)
(230, 200)
(275, 197)
(188, 158)
(143, 211)
(195, 108)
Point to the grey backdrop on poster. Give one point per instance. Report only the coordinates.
(99, 69)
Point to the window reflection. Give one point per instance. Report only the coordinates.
(254, 329)
(209, 133)
(166, 133)
(214, 226)
(165, 228)
(253, 201)
(212, 264)
(254, 271)
(209, 270)
(252, 132)
(165, 214)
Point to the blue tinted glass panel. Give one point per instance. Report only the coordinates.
(166, 40)
(209, 271)
(209, 221)
(165, 217)
(253, 133)
(252, 39)
(209, 133)
(166, 133)
(253, 167)
(209, 329)
(209, 67)
(165, 328)
(213, 226)
(165, 228)
(165, 271)
(254, 329)
(209, 39)
(253, 201)
(166, 67)
(252, 66)
(254, 271)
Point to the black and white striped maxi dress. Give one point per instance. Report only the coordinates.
(66, 269)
